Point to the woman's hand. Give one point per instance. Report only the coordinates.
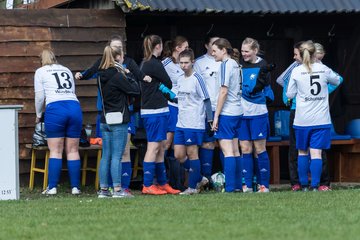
(215, 123)
(78, 76)
(37, 120)
(147, 79)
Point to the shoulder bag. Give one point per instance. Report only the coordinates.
(111, 117)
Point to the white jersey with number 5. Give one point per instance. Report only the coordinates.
(312, 97)
(56, 82)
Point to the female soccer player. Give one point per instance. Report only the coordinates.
(192, 98)
(228, 111)
(312, 123)
(208, 68)
(155, 112)
(255, 122)
(171, 52)
(283, 80)
(55, 86)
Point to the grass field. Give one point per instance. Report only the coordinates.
(276, 215)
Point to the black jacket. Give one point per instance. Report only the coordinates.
(128, 62)
(116, 89)
(151, 96)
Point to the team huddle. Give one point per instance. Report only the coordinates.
(188, 106)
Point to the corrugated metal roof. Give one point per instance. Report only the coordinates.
(242, 6)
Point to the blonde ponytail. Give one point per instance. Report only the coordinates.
(307, 51)
(108, 58)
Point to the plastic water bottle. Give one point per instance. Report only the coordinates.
(170, 95)
(277, 126)
(88, 130)
(254, 184)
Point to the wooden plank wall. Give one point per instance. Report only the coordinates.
(77, 36)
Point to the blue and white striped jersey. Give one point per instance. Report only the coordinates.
(208, 68)
(191, 95)
(229, 76)
(175, 72)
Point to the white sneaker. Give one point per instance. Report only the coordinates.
(263, 189)
(189, 191)
(200, 185)
(245, 189)
(75, 191)
(48, 191)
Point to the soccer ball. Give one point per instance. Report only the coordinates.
(218, 180)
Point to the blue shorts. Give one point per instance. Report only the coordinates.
(228, 127)
(316, 138)
(173, 117)
(132, 125)
(63, 119)
(188, 137)
(156, 128)
(254, 128)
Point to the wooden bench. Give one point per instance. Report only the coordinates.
(45, 169)
(343, 149)
(344, 157)
(273, 149)
(85, 168)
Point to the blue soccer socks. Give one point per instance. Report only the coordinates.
(230, 173)
(238, 172)
(263, 169)
(248, 168)
(206, 159)
(126, 174)
(149, 169)
(55, 165)
(160, 173)
(194, 173)
(303, 169)
(74, 167)
(315, 170)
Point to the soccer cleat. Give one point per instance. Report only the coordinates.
(305, 189)
(122, 194)
(200, 185)
(52, 191)
(295, 188)
(104, 193)
(190, 191)
(128, 193)
(75, 191)
(263, 189)
(168, 189)
(153, 190)
(315, 189)
(210, 185)
(245, 189)
(324, 188)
